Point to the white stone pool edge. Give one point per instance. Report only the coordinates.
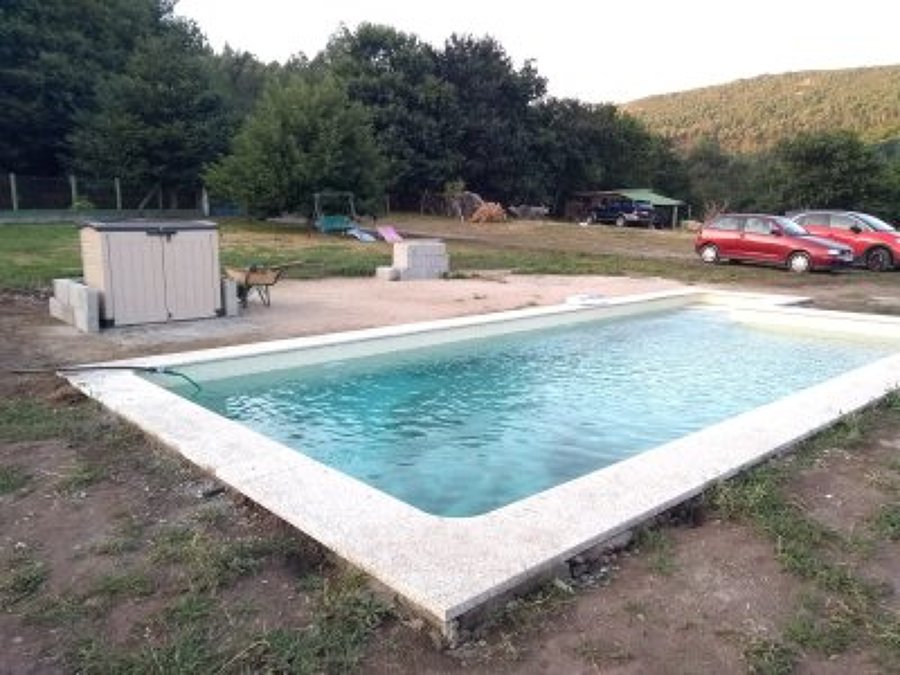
(449, 567)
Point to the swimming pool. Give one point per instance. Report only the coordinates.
(466, 427)
(450, 567)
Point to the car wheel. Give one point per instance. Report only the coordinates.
(799, 262)
(620, 221)
(709, 254)
(879, 260)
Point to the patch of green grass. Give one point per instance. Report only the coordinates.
(827, 625)
(213, 563)
(82, 475)
(190, 610)
(193, 636)
(767, 657)
(887, 522)
(656, 543)
(127, 539)
(125, 585)
(841, 609)
(800, 542)
(212, 516)
(12, 478)
(346, 615)
(34, 254)
(66, 609)
(32, 420)
(603, 655)
(23, 580)
(183, 652)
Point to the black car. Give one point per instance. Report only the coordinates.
(622, 212)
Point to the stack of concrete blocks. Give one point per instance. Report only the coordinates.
(420, 259)
(76, 304)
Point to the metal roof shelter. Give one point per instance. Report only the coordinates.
(661, 202)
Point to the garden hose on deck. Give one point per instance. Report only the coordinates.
(160, 370)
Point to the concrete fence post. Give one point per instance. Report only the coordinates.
(13, 191)
(118, 185)
(73, 186)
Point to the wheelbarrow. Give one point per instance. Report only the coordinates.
(256, 278)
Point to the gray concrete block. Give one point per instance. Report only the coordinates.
(61, 290)
(60, 311)
(387, 273)
(86, 308)
(229, 297)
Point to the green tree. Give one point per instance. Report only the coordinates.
(159, 120)
(394, 75)
(52, 54)
(827, 170)
(490, 113)
(304, 136)
(239, 78)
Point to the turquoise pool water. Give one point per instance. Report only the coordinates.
(462, 429)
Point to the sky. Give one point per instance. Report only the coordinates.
(593, 50)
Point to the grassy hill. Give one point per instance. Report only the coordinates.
(748, 115)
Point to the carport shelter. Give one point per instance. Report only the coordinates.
(582, 202)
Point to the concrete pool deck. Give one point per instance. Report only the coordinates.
(452, 567)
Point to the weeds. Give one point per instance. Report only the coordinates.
(603, 655)
(887, 522)
(212, 563)
(126, 585)
(826, 625)
(191, 636)
(765, 657)
(841, 609)
(657, 544)
(82, 475)
(24, 579)
(126, 540)
(30, 420)
(12, 479)
(345, 617)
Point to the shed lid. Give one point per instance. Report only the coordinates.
(146, 224)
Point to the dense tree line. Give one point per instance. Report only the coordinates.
(127, 88)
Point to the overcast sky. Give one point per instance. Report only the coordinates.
(593, 50)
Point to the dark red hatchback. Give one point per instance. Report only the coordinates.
(775, 240)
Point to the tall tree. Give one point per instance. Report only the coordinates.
(490, 111)
(240, 79)
(304, 136)
(828, 170)
(159, 120)
(395, 76)
(52, 54)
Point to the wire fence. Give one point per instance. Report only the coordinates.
(61, 193)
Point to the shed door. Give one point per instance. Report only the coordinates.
(136, 293)
(191, 262)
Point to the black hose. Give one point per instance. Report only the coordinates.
(161, 370)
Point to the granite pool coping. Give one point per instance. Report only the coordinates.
(449, 568)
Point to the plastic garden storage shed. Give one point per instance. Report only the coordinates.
(152, 271)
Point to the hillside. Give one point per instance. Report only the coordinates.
(752, 114)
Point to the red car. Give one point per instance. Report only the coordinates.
(768, 239)
(875, 244)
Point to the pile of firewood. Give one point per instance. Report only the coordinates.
(489, 212)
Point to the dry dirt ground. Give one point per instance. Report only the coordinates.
(115, 556)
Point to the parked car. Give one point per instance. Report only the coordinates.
(768, 239)
(875, 244)
(622, 212)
